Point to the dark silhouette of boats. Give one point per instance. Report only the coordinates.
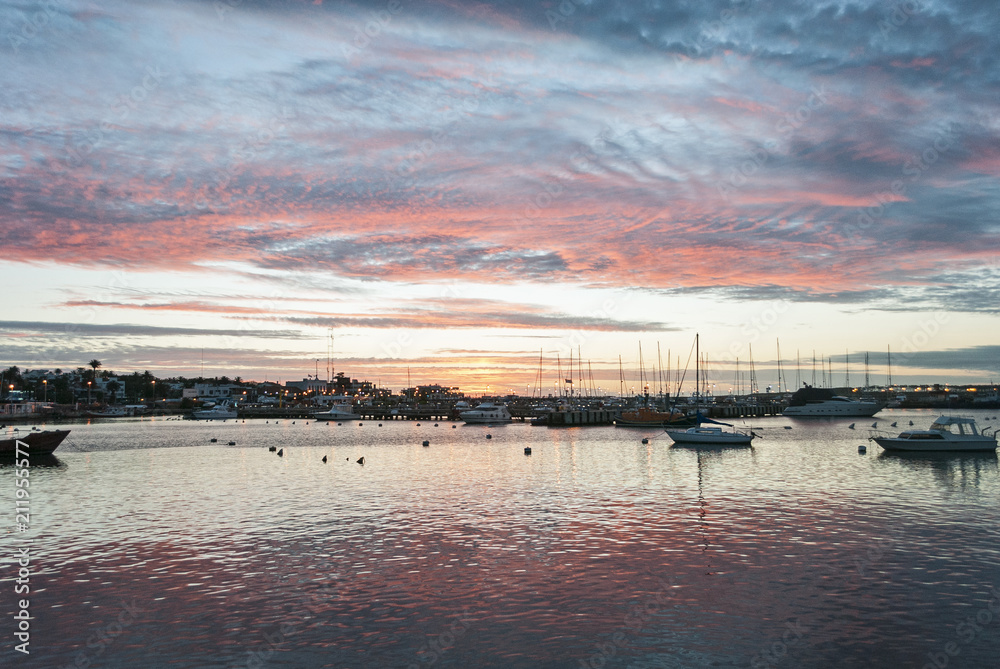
(38, 443)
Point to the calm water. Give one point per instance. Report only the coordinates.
(155, 548)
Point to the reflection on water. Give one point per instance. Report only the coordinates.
(155, 547)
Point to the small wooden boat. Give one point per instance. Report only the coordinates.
(38, 443)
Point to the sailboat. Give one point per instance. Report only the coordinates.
(708, 436)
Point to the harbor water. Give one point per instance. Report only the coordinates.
(151, 546)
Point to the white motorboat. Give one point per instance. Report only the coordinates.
(487, 413)
(710, 435)
(217, 412)
(940, 437)
(810, 401)
(341, 409)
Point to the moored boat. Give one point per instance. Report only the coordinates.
(648, 417)
(487, 413)
(940, 437)
(810, 401)
(218, 412)
(36, 443)
(710, 436)
(340, 409)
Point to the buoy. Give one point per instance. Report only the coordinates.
(489, 436)
(862, 448)
(911, 422)
(418, 424)
(645, 441)
(281, 453)
(360, 424)
(380, 424)
(272, 448)
(527, 450)
(339, 423)
(851, 426)
(875, 424)
(453, 426)
(435, 424)
(788, 427)
(232, 443)
(324, 458)
(427, 443)
(893, 425)
(213, 440)
(361, 460)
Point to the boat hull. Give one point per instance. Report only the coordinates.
(710, 438)
(335, 415)
(929, 446)
(859, 410)
(677, 422)
(38, 443)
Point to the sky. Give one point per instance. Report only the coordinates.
(466, 192)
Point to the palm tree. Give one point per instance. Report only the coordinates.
(94, 364)
(113, 387)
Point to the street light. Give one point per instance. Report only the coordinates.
(45, 384)
(88, 392)
(154, 391)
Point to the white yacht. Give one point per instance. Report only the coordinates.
(940, 437)
(487, 412)
(809, 401)
(341, 408)
(218, 412)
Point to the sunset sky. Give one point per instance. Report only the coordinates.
(451, 188)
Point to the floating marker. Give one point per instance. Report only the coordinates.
(213, 440)
(418, 424)
(893, 425)
(427, 443)
(361, 460)
(862, 448)
(360, 424)
(281, 453)
(453, 426)
(272, 448)
(489, 436)
(645, 441)
(232, 443)
(851, 426)
(324, 458)
(435, 424)
(380, 424)
(527, 450)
